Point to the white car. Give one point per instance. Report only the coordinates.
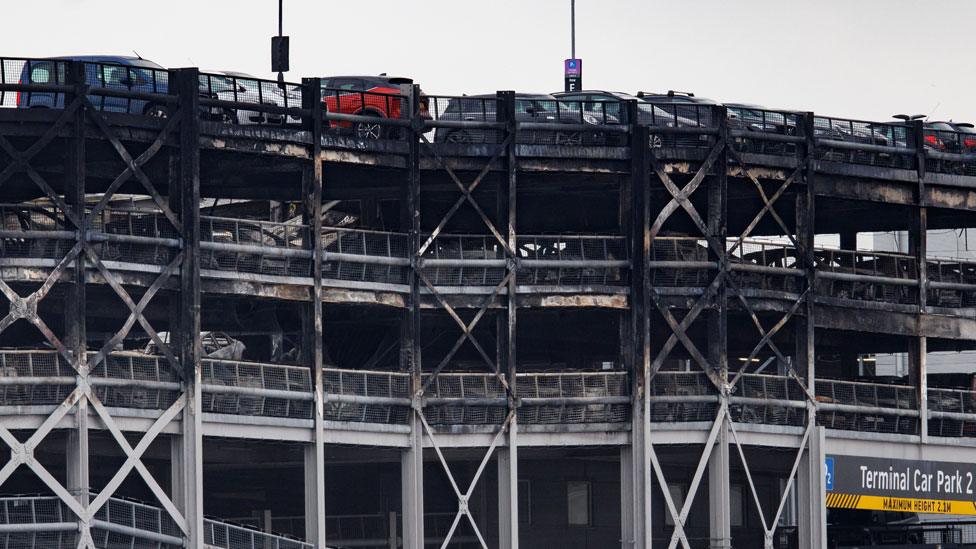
(240, 87)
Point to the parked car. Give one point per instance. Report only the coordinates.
(245, 88)
(648, 114)
(216, 345)
(374, 96)
(528, 108)
(102, 71)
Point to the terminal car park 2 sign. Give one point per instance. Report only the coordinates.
(900, 485)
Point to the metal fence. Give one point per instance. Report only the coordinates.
(952, 412)
(360, 255)
(256, 389)
(950, 152)
(867, 276)
(34, 232)
(252, 246)
(768, 399)
(678, 397)
(38, 73)
(573, 397)
(235, 98)
(367, 396)
(464, 119)
(573, 260)
(764, 265)
(366, 115)
(762, 131)
(951, 283)
(550, 121)
(222, 535)
(867, 407)
(863, 142)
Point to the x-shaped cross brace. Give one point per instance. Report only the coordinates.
(466, 196)
(463, 499)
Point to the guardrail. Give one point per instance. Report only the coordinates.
(222, 535)
(867, 276)
(952, 412)
(360, 255)
(762, 131)
(950, 152)
(252, 246)
(367, 396)
(889, 145)
(246, 100)
(768, 399)
(867, 407)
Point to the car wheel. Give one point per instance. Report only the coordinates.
(157, 111)
(370, 130)
(459, 136)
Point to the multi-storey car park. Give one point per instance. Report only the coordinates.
(545, 333)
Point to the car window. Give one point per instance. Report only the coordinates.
(349, 84)
(41, 74)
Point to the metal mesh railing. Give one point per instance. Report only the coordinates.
(475, 109)
(468, 260)
(222, 535)
(867, 407)
(952, 283)
(256, 101)
(764, 131)
(893, 276)
(947, 412)
(680, 261)
(134, 236)
(34, 232)
(677, 397)
(761, 398)
(570, 392)
(31, 72)
(256, 389)
(252, 246)
(587, 123)
(863, 142)
(763, 265)
(47, 379)
(365, 256)
(549, 260)
(378, 107)
(949, 151)
(453, 399)
(367, 384)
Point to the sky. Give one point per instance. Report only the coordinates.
(866, 59)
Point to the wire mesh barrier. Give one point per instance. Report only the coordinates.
(34, 232)
(465, 399)
(768, 399)
(867, 276)
(464, 119)
(134, 236)
(367, 396)
(952, 412)
(951, 283)
(236, 98)
(464, 260)
(677, 397)
(30, 82)
(45, 522)
(679, 126)
(124, 380)
(256, 389)
(947, 534)
(762, 265)
(252, 246)
(950, 150)
(573, 260)
(365, 115)
(867, 407)
(121, 88)
(358, 255)
(222, 535)
(576, 397)
(680, 261)
(544, 120)
(862, 142)
(761, 131)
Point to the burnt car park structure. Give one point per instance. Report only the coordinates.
(243, 336)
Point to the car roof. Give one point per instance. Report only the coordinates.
(390, 79)
(235, 74)
(618, 95)
(120, 59)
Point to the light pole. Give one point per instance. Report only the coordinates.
(572, 27)
(572, 67)
(279, 48)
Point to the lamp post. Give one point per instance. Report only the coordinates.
(572, 67)
(279, 48)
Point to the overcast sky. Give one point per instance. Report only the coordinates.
(855, 58)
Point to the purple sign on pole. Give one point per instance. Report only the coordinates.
(573, 67)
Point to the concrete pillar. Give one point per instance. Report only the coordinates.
(719, 492)
(314, 495)
(627, 516)
(508, 516)
(635, 483)
(811, 495)
(412, 490)
(76, 455)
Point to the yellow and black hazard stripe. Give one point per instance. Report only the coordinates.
(842, 501)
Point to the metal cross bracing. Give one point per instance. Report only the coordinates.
(502, 365)
(79, 113)
(729, 153)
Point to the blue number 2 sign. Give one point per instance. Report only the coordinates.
(829, 473)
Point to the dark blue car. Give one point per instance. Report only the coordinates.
(110, 72)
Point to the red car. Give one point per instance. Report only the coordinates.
(376, 96)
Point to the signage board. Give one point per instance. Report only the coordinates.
(573, 75)
(908, 486)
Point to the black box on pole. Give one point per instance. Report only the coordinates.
(279, 54)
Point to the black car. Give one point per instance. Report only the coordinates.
(648, 114)
(528, 108)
